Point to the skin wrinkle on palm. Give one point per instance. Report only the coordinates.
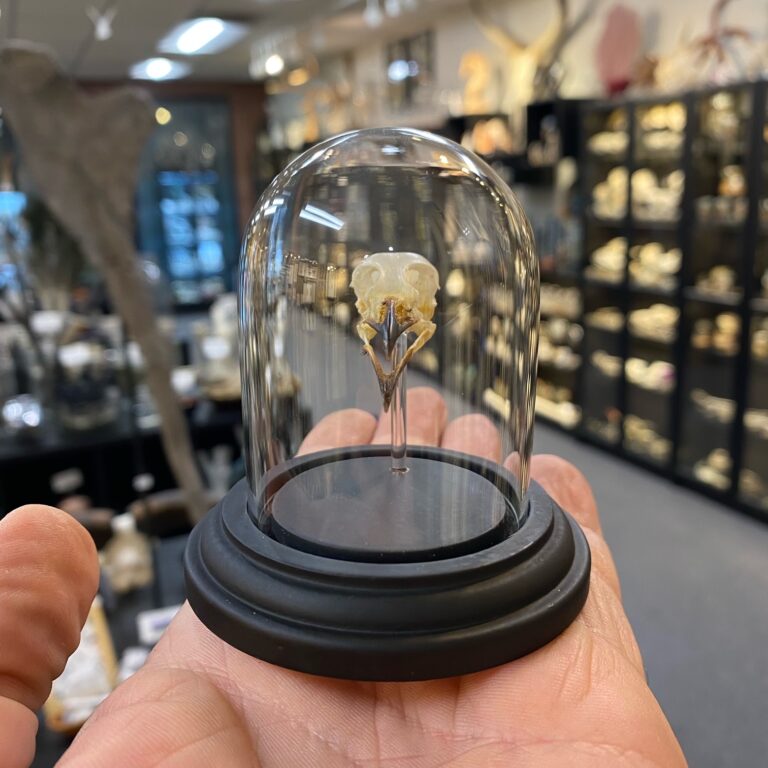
(580, 701)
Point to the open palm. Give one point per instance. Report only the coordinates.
(582, 700)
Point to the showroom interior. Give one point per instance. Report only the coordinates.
(141, 142)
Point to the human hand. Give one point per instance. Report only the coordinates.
(582, 700)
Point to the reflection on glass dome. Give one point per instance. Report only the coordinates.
(373, 268)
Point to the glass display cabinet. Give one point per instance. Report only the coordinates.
(714, 279)
(186, 207)
(674, 307)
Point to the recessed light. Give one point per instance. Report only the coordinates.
(163, 115)
(159, 68)
(208, 34)
(274, 64)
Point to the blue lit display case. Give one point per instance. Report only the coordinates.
(186, 207)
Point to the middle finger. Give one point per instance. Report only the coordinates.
(426, 415)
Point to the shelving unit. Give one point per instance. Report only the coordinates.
(701, 418)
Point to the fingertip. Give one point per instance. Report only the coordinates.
(568, 487)
(41, 526)
(428, 397)
(18, 729)
(351, 426)
(49, 574)
(475, 434)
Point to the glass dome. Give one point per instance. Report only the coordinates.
(389, 312)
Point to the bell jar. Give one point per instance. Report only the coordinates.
(387, 528)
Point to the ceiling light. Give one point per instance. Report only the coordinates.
(203, 32)
(163, 115)
(159, 69)
(274, 64)
(400, 70)
(207, 34)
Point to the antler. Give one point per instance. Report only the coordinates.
(494, 31)
(545, 48)
(561, 31)
(713, 41)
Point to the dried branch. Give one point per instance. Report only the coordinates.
(83, 152)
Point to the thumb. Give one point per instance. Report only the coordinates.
(48, 577)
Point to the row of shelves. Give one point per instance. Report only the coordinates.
(668, 303)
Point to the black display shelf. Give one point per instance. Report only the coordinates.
(657, 225)
(109, 457)
(607, 284)
(602, 221)
(650, 290)
(560, 277)
(714, 224)
(701, 158)
(715, 299)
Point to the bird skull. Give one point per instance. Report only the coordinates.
(395, 295)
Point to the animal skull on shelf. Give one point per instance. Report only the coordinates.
(532, 69)
(395, 296)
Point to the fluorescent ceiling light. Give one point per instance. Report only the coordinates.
(319, 216)
(207, 34)
(201, 33)
(159, 69)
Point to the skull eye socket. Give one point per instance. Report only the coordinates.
(365, 277)
(372, 273)
(417, 276)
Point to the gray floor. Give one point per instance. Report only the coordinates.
(695, 582)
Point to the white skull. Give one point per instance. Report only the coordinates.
(395, 296)
(407, 279)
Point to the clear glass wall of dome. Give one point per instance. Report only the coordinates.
(389, 295)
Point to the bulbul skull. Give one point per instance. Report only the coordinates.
(395, 295)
